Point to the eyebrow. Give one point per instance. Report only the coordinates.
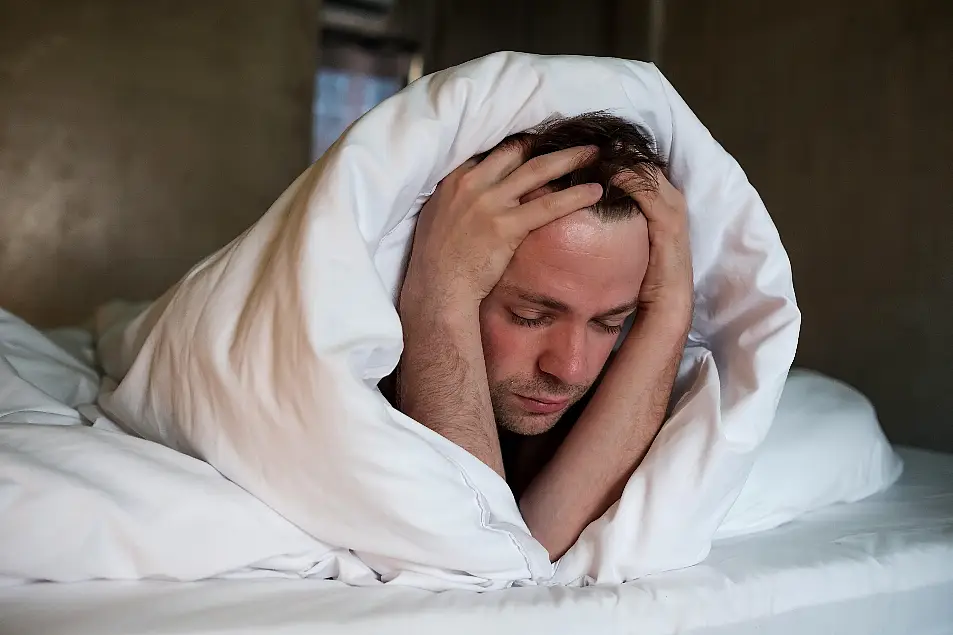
(536, 298)
(627, 307)
(556, 305)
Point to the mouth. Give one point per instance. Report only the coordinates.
(543, 405)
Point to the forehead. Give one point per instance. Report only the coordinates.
(588, 264)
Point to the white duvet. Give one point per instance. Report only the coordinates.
(264, 359)
(883, 566)
(81, 500)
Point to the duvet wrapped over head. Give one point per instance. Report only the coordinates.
(264, 359)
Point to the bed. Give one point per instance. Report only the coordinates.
(882, 565)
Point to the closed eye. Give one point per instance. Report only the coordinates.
(612, 329)
(529, 322)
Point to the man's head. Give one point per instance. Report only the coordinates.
(550, 324)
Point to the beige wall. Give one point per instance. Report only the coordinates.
(137, 137)
(841, 113)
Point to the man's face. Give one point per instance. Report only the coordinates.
(550, 324)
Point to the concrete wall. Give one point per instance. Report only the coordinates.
(137, 137)
(841, 113)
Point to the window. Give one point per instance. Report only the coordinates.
(355, 74)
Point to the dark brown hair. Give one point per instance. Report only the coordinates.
(623, 146)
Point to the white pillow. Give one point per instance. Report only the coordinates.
(826, 446)
(264, 359)
(39, 381)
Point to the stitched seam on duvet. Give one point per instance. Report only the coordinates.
(485, 513)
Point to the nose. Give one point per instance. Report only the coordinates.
(564, 355)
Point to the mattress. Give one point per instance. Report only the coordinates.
(883, 565)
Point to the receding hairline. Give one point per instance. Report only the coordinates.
(624, 147)
(591, 210)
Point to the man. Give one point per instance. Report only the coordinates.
(525, 264)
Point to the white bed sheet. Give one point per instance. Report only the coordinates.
(880, 566)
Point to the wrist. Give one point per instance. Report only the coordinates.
(670, 322)
(437, 311)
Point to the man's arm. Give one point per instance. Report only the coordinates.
(442, 381)
(591, 467)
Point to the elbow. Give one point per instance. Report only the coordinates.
(553, 535)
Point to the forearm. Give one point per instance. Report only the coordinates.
(613, 434)
(442, 381)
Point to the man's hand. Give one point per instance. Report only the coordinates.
(667, 292)
(468, 231)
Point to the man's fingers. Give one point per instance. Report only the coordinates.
(461, 171)
(501, 162)
(632, 182)
(653, 193)
(467, 165)
(535, 194)
(540, 170)
(549, 207)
